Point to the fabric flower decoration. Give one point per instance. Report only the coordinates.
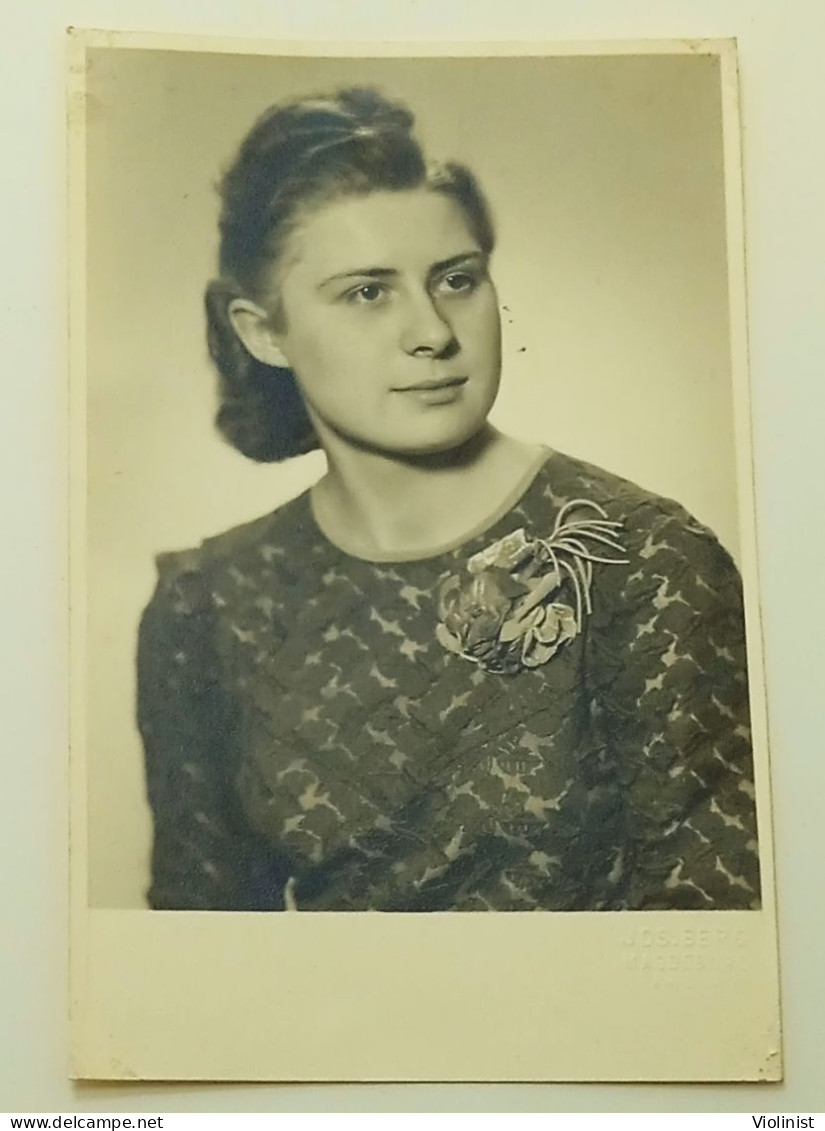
(473, 610)
(549, 629)
(503, 610)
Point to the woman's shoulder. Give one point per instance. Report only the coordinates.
(567, 478)
(187, 578)
(651, 525)
(670, 562)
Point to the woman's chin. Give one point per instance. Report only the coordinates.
(452, 443)
(416, 443)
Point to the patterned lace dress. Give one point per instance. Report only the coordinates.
(310, 743)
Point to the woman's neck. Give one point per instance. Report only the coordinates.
(377, 503)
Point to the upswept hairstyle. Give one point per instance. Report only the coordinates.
(297, 156)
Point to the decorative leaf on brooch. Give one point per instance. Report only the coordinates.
(503, 610)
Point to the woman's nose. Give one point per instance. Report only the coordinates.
(426, 331)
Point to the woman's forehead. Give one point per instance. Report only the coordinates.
(402, 231)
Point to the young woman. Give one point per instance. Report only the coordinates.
(461, 672)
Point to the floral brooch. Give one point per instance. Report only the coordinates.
(504, 610)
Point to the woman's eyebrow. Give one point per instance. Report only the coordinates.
(360, 273)
(472, 256)
(390, 272)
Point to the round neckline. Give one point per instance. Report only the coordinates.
(516, 493)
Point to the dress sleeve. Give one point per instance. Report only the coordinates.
(678, 718)
(202, 856)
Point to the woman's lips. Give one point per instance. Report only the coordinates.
(440, 391)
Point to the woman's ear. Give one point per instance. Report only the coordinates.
(253, 325)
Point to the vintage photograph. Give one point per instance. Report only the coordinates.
(474, 663)
(414, 567)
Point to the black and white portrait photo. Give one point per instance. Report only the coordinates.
(465, 669)
(417, 556)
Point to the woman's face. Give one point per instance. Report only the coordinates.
(391, 322)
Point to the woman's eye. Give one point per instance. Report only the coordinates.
(458, 282)
(367, 294)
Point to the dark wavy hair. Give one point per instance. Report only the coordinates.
(297, 156)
